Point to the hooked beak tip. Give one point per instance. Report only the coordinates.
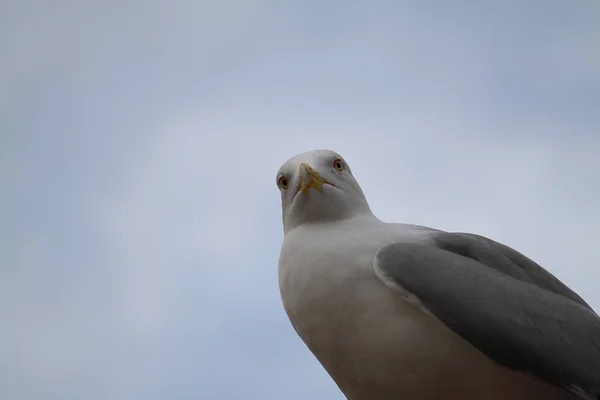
(309, 178)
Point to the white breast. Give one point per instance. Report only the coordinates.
(374, 343)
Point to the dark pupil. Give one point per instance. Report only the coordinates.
(338, 165)
(284, 182)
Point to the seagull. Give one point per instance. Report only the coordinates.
(397, 311)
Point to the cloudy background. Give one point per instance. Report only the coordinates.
(139, 141)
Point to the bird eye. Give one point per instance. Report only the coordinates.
(283, 182)
(338, 164)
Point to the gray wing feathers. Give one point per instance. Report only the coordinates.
(514, 322)
(504, 259)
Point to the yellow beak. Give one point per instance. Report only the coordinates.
(309, 178)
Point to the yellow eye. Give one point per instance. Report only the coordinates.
(338, 164)
(283, 182)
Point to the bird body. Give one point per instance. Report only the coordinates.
(357, 328)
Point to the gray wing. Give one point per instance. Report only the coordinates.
(504, 259)
(529, 322)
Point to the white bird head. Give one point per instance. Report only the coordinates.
(318, 186)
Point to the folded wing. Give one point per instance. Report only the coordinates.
(504, 304)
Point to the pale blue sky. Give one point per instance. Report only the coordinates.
(139, 146)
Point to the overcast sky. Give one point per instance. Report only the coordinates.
(139, 142)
